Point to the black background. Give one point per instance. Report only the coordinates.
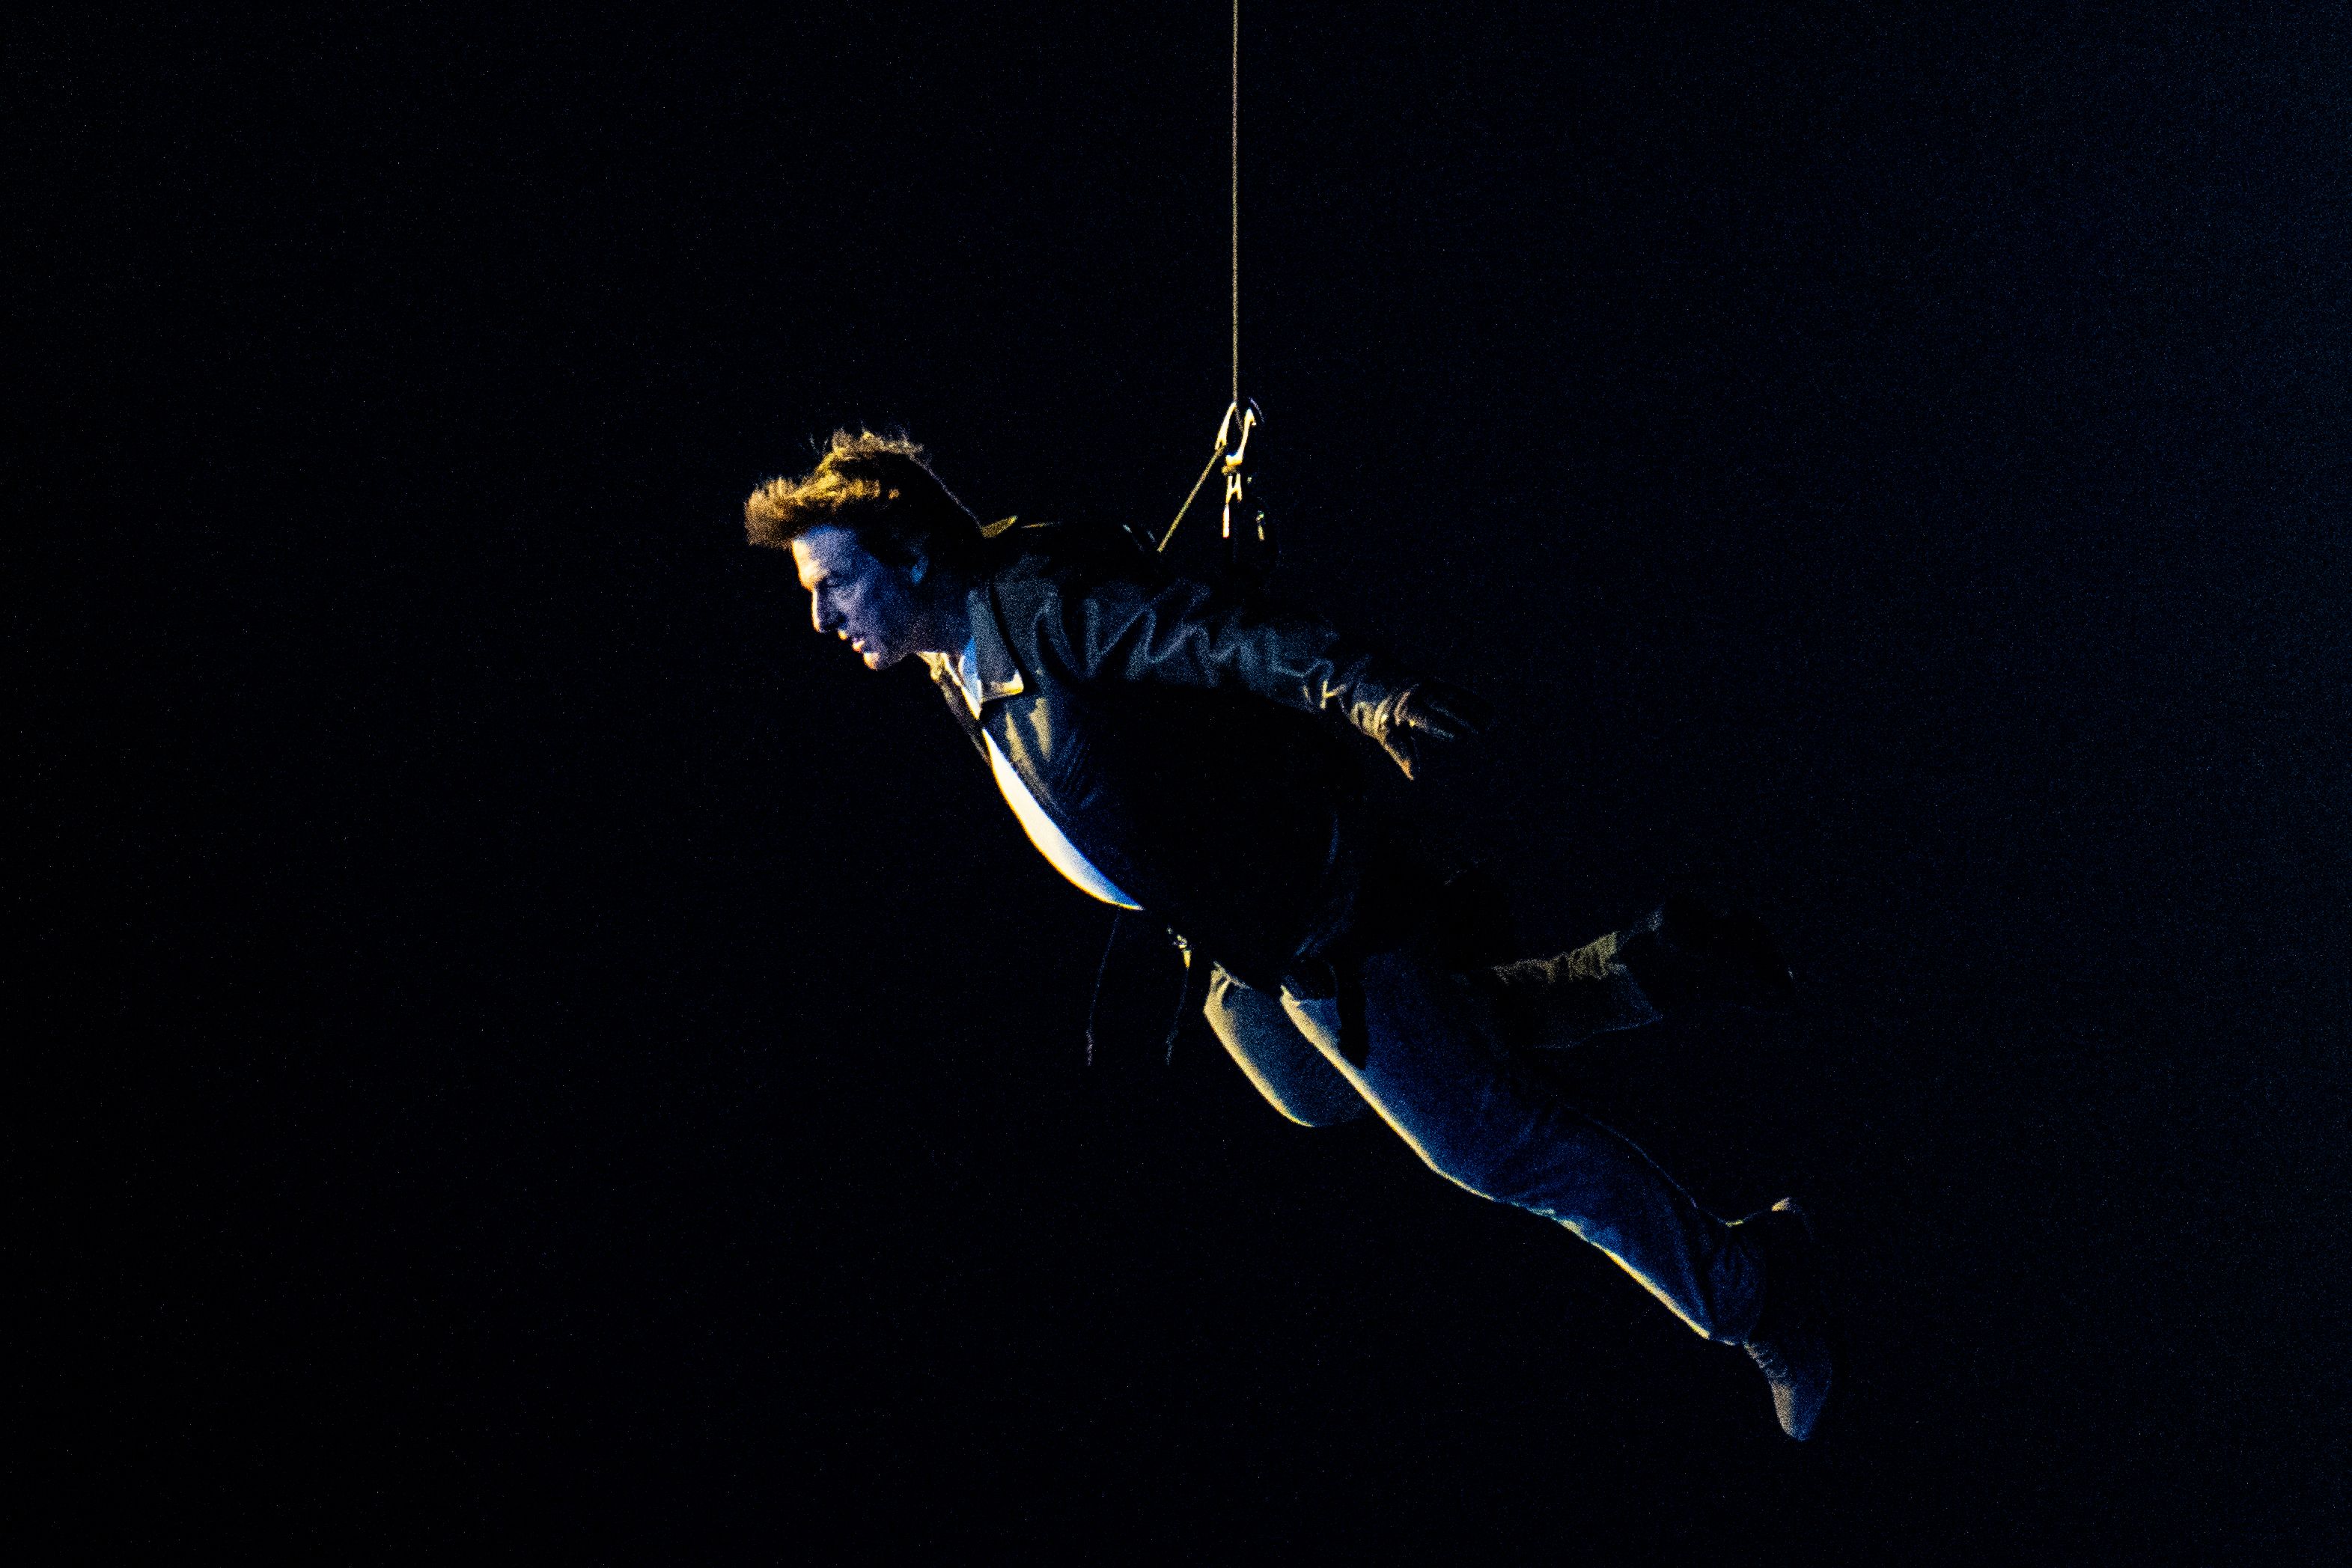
(525, 1048)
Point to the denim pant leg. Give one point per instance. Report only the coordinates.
(1437, 1072)
(1288, 1069)
(1566, 1000)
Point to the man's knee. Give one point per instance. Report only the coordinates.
(1333, 1111)
(1277, 1058)
(1467, 1163)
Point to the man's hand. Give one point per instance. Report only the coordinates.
(1426, 712)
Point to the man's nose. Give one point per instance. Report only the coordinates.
(817, 615)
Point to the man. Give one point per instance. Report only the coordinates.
(1178, 748)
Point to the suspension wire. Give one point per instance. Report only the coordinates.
(1234, 166)
(1216, 455)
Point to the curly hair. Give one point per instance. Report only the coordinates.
(881, 487)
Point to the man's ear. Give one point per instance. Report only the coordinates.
(920, 566)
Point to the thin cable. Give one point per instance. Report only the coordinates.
(1215, 457)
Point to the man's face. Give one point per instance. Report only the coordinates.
(864, 602)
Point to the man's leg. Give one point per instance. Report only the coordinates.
(1288, 1069)
(1687, 959)
(1553, 1003)
(1437, 1071)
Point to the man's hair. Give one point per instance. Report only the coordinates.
(881, 489)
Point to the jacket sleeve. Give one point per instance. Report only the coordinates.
(1188, 633)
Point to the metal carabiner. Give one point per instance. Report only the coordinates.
(1231, 459)
(1251, 418)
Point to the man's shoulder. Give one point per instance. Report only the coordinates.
(1048, 573)
(1036, 552)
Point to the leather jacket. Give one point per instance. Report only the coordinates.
(1189, 740)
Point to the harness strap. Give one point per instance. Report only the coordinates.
(1191, 992)
(1093, 1003)
(1189, 995)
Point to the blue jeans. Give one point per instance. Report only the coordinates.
(1443, 1066)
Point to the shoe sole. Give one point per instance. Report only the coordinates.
(1831, 1334)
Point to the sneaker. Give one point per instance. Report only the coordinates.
(1792, 1340)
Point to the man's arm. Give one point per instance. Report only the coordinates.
(1189, 634)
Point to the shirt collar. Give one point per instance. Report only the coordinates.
(985, 669)
(990, 663)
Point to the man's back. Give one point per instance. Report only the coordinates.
(1186, 739)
